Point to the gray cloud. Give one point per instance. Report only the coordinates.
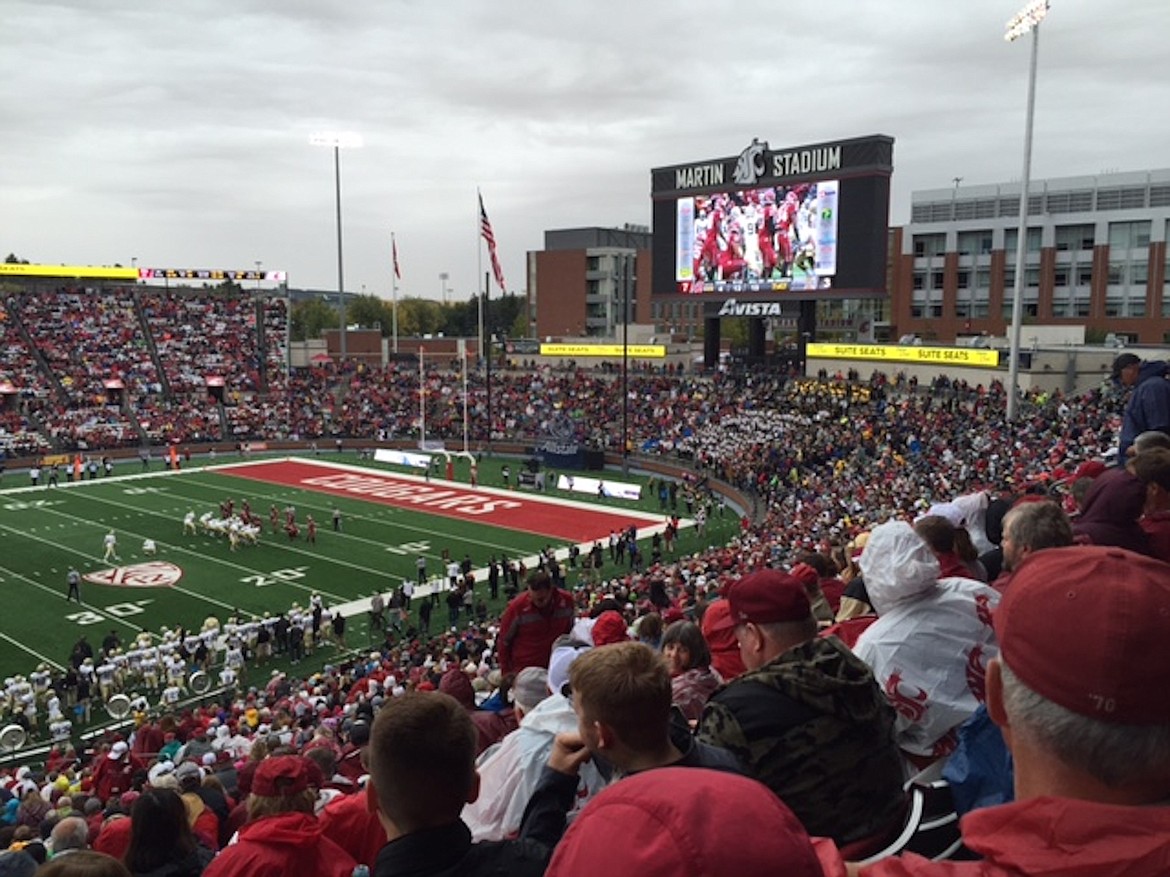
(178, 133)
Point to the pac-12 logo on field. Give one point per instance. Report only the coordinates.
(154, 574)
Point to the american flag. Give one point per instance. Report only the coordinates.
(394, 252)
(485, 228)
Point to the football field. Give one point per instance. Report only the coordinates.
(388, 519)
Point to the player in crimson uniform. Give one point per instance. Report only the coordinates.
(785, 220)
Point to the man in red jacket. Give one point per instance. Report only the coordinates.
(1079, 690)
(532, 622)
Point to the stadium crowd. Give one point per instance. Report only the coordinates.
(903, 608)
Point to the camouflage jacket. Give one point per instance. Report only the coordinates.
(814, 727)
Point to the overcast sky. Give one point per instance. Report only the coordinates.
(178, 133)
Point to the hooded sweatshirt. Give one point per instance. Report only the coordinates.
(1148, 407)
(1112, 509)
(1051, 837)
(285, 845)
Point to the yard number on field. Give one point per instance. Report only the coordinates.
(276, 577)
(409, 548)
(118, 610)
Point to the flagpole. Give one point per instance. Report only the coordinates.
(422, 403)
(394, 291)
(464, 357)
(479, 256)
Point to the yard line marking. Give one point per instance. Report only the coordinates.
(32, 652)
(57, 593)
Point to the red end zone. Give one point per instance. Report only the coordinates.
(572, 522)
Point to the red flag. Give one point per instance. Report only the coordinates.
(485, 228)
(394, 251)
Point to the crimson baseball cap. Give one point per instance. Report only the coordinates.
(766, 597)
(1086, 627)
(281, 775)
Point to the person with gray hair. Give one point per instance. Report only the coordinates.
(1079, 690)
(68, 835)
(529, 689)
(1033, 526)
(1149, 440)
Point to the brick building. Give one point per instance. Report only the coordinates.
(1096, 255)
(577, 283)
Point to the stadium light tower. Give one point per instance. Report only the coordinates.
(1026, 20)
(338, 140)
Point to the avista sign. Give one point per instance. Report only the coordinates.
(733, 308)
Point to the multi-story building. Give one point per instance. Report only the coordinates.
(579, 281)
(1095, 256)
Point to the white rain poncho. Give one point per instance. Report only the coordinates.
(932, 641)
(510, 771)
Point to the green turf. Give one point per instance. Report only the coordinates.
(44, 531)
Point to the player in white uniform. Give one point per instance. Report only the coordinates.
(111, 543)
(189, 524)
(105, 679)
(149, 548)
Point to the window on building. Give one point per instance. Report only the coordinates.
(1085, 276)
(964, 278)
(926, 245)
(1074, 237)
(971, 243)
(919, 280)
(1117, 273)
(1060, 276)
(592, 263)
(980, 309)
(1160, 195)
(983, 278)
(1134, 235)
(1011, 237)
(936, 279)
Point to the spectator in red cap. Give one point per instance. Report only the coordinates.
(678, 823)
(1079, 690)
(807, 718)
(282, 838)
(532, 622)
(609, 627)
(720, 637)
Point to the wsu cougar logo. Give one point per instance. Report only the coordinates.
(910, 704)
(154, 574)
(749, 167)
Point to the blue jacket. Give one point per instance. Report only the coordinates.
(1148, 407)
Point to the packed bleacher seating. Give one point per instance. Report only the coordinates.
(830, 460)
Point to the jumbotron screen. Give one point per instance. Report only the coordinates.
(807, 222)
